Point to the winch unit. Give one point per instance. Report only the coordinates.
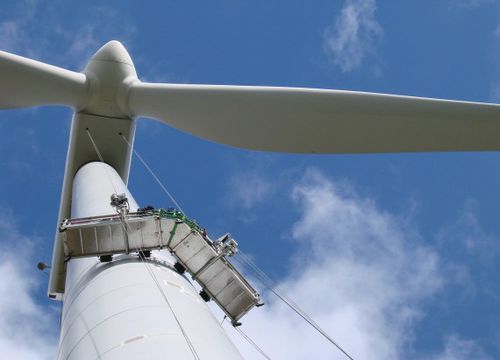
(207, 261)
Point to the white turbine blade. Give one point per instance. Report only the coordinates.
(25, 82)
(319, 121)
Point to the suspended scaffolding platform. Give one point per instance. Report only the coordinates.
(138, 232)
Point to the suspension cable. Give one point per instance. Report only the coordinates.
(245, 336)
(99, 155)
(251, 342)
(158, 285)
(268, 282)
(271, 285)
(153, 174)
(151, 273)
(145, 263)
(95, 145)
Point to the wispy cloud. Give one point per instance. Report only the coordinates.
(457, 348)
(495, 86)
(467, 234)
(9, 35)
(28, 331)
(248, 188)
(27, 31)
(364, 274)
(14, 29)
(106, 24)
(465, 5)
(469, 4)
(354, 34)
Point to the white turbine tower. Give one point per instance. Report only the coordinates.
(112, 310)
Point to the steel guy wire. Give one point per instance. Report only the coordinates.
(247, 338)
(95, 145)
(101, 158)
(251, 342)
(139, 250)
(271, 285)
(153, 174)
(146, 264)
(158, 286)
(262, 275)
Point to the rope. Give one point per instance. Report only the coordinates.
(146, 264)
(151, 273)
(271, 285)
(263, 277)
(95, 145)
(158, 285)
(162, 293)
(153, 174)
(251, 342)
(101, 158)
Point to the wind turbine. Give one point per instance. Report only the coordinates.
(112, 310)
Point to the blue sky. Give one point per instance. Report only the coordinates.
(395, 255)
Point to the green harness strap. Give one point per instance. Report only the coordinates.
(172, 233)
(178, 217)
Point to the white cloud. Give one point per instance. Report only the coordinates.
(467, 233)
(13, 30)
(363, 274)
(353, 35)
(469, 4)
(106, 24)
(360, 272)
(248, 188)
(91, 27)
(456, 348)
(9, 35)
(27, 330)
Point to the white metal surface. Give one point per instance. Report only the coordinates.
(215, 273)
(116, 311)
(25, 82)
(206, 261)
(301, 120)
(106, 133)
(262, 118)
(105, 235)
(108, 96)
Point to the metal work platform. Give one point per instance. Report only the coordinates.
(206, 260)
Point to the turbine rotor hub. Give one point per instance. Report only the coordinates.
(110, 73)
